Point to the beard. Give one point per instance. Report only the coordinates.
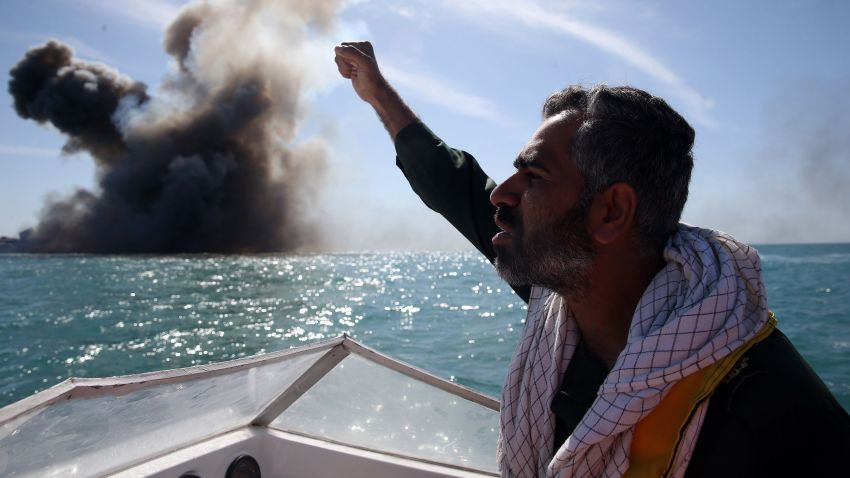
(557, 255)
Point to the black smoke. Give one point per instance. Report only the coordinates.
(205, 166)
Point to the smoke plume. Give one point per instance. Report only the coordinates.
(797, 182)
(205, 165)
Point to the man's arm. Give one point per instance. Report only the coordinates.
(448, 181)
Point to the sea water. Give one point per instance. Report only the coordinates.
(92, 316)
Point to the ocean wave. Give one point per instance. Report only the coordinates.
(834, 258)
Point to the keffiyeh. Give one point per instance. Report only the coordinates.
(705, 303)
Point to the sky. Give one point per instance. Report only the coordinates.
(762, 83)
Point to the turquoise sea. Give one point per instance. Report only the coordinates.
(88, 316)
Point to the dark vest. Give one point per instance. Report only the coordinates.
(771, 416)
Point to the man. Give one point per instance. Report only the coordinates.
(648, 348)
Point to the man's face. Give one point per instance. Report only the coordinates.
(544, 239)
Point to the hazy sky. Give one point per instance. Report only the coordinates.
(763, 84)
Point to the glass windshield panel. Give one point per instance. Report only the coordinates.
(368, 405)
(94, 436)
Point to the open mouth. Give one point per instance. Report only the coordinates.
(502, 220)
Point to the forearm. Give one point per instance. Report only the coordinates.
(392, 110)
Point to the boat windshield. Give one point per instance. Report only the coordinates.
(365, 404)
(338, 391)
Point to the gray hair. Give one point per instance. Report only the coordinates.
(627, 135)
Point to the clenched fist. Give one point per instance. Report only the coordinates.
(356, 62)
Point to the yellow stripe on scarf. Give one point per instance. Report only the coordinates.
(656, 438)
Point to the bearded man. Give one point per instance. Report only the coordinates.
(648, 349)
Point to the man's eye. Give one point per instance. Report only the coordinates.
(531, 176)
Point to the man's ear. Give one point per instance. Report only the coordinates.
(612, 213)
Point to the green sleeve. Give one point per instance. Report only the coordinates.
(450, 182)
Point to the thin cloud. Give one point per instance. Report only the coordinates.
(84, 50)
(81, 48)
(532, 14)
(28, 151)
(441, 93)
(154, 14)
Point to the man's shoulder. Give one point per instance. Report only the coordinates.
(771, 415)
(772, 379)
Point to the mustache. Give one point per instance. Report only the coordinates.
(506, 216)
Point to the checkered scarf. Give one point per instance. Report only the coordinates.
(707, 301)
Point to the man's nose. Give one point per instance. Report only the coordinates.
(506, 194)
